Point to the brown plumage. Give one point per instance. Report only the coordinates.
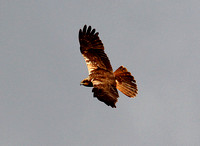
(101, 77)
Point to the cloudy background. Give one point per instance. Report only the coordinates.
(42, 102)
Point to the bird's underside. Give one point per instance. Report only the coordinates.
(101, 77)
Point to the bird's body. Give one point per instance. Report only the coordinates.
(101, 77)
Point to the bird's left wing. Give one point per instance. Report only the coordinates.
(104, 87)
(105, 93)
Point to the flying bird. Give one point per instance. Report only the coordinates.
(101, 77)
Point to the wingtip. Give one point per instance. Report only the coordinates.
(84, 28)
(80, 34)
(114, 106)
(96, 34)
(89, 29)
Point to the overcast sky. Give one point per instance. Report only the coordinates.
(42, 102)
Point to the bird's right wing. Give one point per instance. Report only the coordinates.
(92, 50)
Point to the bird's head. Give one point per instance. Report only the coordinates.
(86, 83)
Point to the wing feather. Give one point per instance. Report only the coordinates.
(92, 50)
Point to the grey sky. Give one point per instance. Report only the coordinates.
(41, 101)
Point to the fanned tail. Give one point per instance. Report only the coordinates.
(125, 82)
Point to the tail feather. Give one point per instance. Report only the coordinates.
(125, 82)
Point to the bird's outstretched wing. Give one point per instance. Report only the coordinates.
(92, 50)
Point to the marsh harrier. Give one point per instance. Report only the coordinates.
(101, 77)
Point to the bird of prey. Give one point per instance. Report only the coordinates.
(101, 77)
